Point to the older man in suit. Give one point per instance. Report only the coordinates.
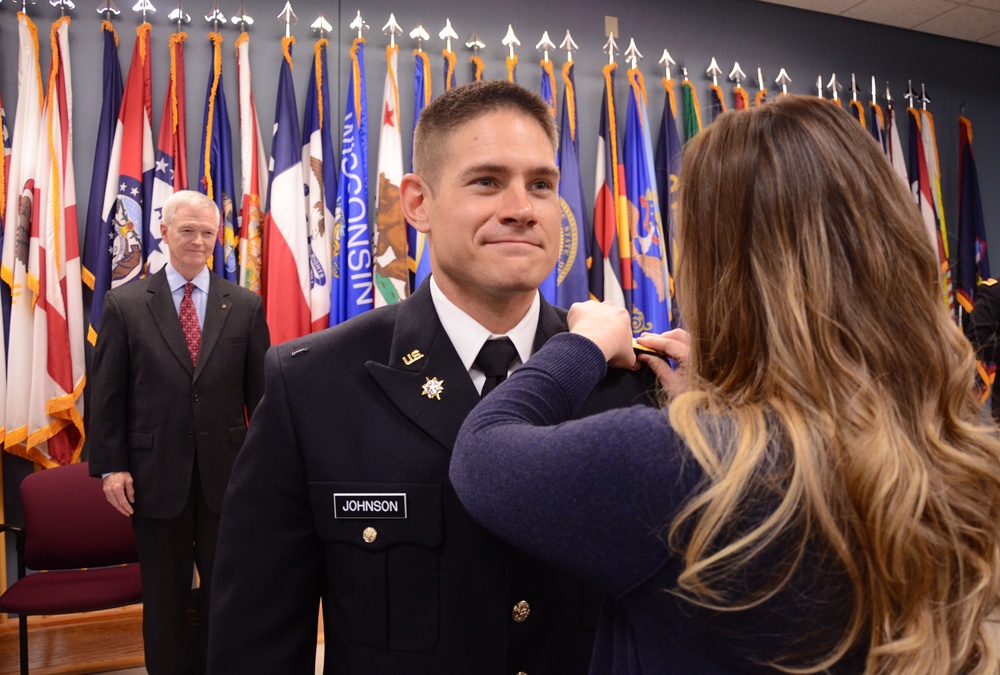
(343, 491)
(178, 370)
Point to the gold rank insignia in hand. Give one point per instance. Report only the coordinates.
(433, 388)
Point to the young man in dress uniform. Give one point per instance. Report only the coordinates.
(342, 493)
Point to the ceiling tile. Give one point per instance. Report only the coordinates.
(992, 39)
(970, 23)
(902, 13)
(985, 4)
(826, 6)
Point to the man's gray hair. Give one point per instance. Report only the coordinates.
(189, 198)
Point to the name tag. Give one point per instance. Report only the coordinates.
(369, 505)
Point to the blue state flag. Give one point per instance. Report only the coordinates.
(418, 255)
(95, 237)
(570, 274)
(352, 289)
(449, 69)
(650, 292)
(215, 167)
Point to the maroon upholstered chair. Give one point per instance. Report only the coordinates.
(81, 550)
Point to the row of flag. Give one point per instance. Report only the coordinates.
(305, 233)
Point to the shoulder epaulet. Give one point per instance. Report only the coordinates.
(989, 282)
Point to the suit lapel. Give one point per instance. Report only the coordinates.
(422, 357)
(216, 313)
(161, 306)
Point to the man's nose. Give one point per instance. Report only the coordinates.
(516, 206)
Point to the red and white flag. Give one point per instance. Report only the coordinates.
(286, 246)
(389, 269)
(55, 409)
(21, 210)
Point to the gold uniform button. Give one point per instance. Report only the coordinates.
(521, 611)
(369, 535)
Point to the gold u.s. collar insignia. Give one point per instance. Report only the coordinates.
(432, 388)
(412, 357)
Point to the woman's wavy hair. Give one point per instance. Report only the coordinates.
(821, 344)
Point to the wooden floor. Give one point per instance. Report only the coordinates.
(75, 644)
(109, 641)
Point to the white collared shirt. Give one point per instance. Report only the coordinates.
(468, 335)
(199, 296)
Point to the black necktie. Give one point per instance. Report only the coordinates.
(494, 360)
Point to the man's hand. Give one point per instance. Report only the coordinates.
(674, 343)
(610, 327)
(119, 491)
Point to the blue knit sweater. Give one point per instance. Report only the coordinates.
(596, 496)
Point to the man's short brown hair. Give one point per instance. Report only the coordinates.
(463, 104)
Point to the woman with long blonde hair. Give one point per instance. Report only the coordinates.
(820, 493)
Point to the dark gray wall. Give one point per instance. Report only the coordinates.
(806, 44)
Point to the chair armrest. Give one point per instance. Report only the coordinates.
(18, 544)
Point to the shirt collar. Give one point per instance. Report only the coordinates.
(468, 335)
(201, 281)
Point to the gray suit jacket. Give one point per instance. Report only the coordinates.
(154, 413)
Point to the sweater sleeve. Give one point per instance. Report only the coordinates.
(594, 495)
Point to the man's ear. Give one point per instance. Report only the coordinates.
(413, 196)
(163, 231)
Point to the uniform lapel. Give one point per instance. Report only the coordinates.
(216, 312)
(422, 359)
(551, 320)
(161, 306)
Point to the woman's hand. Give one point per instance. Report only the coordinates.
(609, 327)
(677, 345)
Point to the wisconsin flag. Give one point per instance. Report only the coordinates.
(648, 246)
(55, 409)
(95, 247)
(128, 195)
(170, 174)
(286, 245)
(570, 273)
(668, 167)
(320, 169)
(215, 166)
(352, 255)
(418, 257)
(610, 279)
(390, 272)
(19, 220)
(253, 176)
